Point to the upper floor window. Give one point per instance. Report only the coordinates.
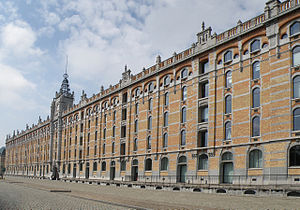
(296, 56)
(202, 138)
(114, 131)
(114, 115)
(256, 70)
(204, 114)
(113, 147)
(295, 28)
(205, 67)
(228, 56)
(296, 87)
(149, 123)
(151, 87)
(296, 119)
(256, 97)
(166, 99)
(295, 156)
(183, 137)
(255, 45)
(228, 130)
(150, 104)
(149, 142)
(184, 73)
(104, 133)
(135, 144)
(137, 92)
(166, 119)
(228, 104)
(165, 140)
(183, 115)
(184, 93)
(255, 159)
(256, 126)
(103, 166)
(136, 127)
(167, 80)
(136, 110)
(228, 77)
(204, 90)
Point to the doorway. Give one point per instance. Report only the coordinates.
(134, 170)
(181, 169)
(226, 168)
(112, 170)
(87, 170)
(74, 170)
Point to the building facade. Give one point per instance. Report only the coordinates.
(226, 110)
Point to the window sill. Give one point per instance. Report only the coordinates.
(254, 169)
(255, 51)
(294, 35)
(202, 169)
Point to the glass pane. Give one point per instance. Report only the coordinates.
(205, 90)
(204, 114)
(256, 98)
(296, 117)
(183, 137)
(228, 130)
(295, 156)
(295, 28)
(166, 99)
(228, 56)
(255, 45)
(255, 70)
(229, 79)
(203, 162)
(227, 156)
(256, 126)
(205, 67)
(183, 115)
(228, 104)
(296, 56)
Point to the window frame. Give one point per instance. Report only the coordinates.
(165, 140)
(256, 97)
(258, 155)
(296, 48)
(184, 73)
(253, 44)
(183, 137)
(228, 77)
(296, 32)
(227, 58)
(255, 75)
(204, 164)
(164, 164)
(255, 133)
(228, 104)
(228, 130)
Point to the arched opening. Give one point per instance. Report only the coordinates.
(227, 168)
(134, 170)
(181, 169)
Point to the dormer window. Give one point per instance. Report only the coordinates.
(184, 73)
(295, 28)
(151, 87)
(228, 56)
(167, 80)
(255, 45)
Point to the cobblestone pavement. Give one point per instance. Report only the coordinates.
(24, 193)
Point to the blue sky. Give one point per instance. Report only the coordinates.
(99, 37)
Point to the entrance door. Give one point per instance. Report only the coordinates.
(182, 172)
(112, 172)
(87, 171)
(227, 172)
(74, 170)
(134, 173)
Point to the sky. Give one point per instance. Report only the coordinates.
(99, 37)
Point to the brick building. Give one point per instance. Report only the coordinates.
(225, 110)
(2, 160)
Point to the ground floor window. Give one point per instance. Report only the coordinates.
(295, 156)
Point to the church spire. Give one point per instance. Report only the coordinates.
(65, 90)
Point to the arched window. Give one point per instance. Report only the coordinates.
(148, 164)
(227, 156)
(184, 73)
(295, 28)
(255, 159)
(167, 80)
(228, 104)
(256, 70)
(137, 92)
(296, 56)
(203, 162)
(136, 126)
(149, 142)
(256, 97)
(135, 143)
(150, 104)
(166, 99)
(296, 119)
(149, 123)
(228, 56)
(183, 137)
(114, 131)
(151, 87)
(295, 156)
(296, 87)
(123, 165)
(255, 45)
(95, 166)
(164, 164)
(183, 115)
(228, 130)
(165, 140)
(184, 93)
(166, 119)
(255, 126)
(103, 166)
(182, 159)
(228, 76)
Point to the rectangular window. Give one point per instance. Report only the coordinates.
(202, 138)
(124, 114)
(123, 131)
(204, 67)
(122, 149)
(80, 166)
(124, 98)
(96, 121)
(203, 112)
(204, 90)
(81, 127)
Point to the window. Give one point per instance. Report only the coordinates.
(184, 93)
(204, 90)
(166, 99)
(124, 114)
(183, 137)
(165, 140)
(295, 156)
(135, 144)
(136, 111)
(105, 118)
(203, 162)
(150, 104)
(149, 142)
(203, 111)
(124, 98)
(95, 166)
(295, 28)
(167, 80)
(256, 97)
(255, 159)
(164, 164)
(80, 166)
(246, 52)
(227, 130)
(256, 70)
(166, 119)
(123, 165)
(296, 119)
(183, 115)
(96, 121)
(202, 138)
(96, 135)
(227, 156)
(103, 149)
(114, 115)
(137, 92)
(149, 123)
(228, 77)
(123, 131)
(184, 73)
(255, 126)
(255, 45)
(87, 151)
(236, 56)
(296, 56)
(113, 147)
(114, 131)
(296, 87)
(95, 149)
(228, 104)
(205, 67)
(136, 123)
(104, 133)
(228, 56)
(148, 164)
(265, 45)
(103, 166)
(151, 87)
(122, 149)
